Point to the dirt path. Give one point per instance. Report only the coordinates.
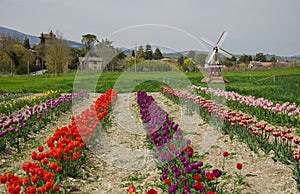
(120, 157)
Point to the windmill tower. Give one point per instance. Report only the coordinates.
(212, 63)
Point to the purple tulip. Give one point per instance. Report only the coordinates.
(188, 141)
(2, 134)
(217, 172)
(164, 176)
(175, 186)
(174, 168)
(171, 190)
(189, 154)
(185, 163)
(189, 169)
(11, 130)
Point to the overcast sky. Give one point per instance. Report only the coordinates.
(268, 26)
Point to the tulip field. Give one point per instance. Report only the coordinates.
(167, 141)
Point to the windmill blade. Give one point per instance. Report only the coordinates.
(222, 38)
(225, 53)
(211, 57)
(207, 41)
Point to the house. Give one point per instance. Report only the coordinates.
(47, 39)
(170, 60)
(94, 63)
(253, 64)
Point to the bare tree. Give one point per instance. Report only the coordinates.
(58, 54)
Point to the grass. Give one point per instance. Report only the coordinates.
(278, 85)
(260, 83)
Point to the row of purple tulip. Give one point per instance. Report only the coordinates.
(181, 172)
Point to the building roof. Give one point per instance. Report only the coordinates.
(266, 64)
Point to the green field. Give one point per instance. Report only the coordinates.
(279, 85)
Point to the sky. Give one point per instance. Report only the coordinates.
(268, 26)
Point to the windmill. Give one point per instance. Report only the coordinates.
(212, 62)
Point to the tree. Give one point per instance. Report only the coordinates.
(233, 59)
(88, 40)
(200, 58)
(229, 62)
(111, 56)
(260, 57)
(180, 60)
(191, 54)
(133, 53)
(26, 43)
(189, 65)
(16, 58)
(75, 53)
(157, 54)
(148, 52)
(42, 39)
(273, 59)
(6, 41)
(118, 60)
(245, 59)
(141, 54)
(41, 51)
(58, 56)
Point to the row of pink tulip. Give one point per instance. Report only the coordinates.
(286, 108)
(287, 113)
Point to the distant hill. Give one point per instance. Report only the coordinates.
(34, 40)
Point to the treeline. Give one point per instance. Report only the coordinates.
(198, 60)
(147, 53)
(53, 53)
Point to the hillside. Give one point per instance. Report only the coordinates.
(34, 40)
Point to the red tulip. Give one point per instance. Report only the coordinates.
(40, 148)
(199, 185)
(239, 166)
(210, 176)
(26, 181)
(56, 188)
(167, 181)
(225, 153)
(152, 191)
(131, 189)
(34, 179)
(197, 177)
(31, 190)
